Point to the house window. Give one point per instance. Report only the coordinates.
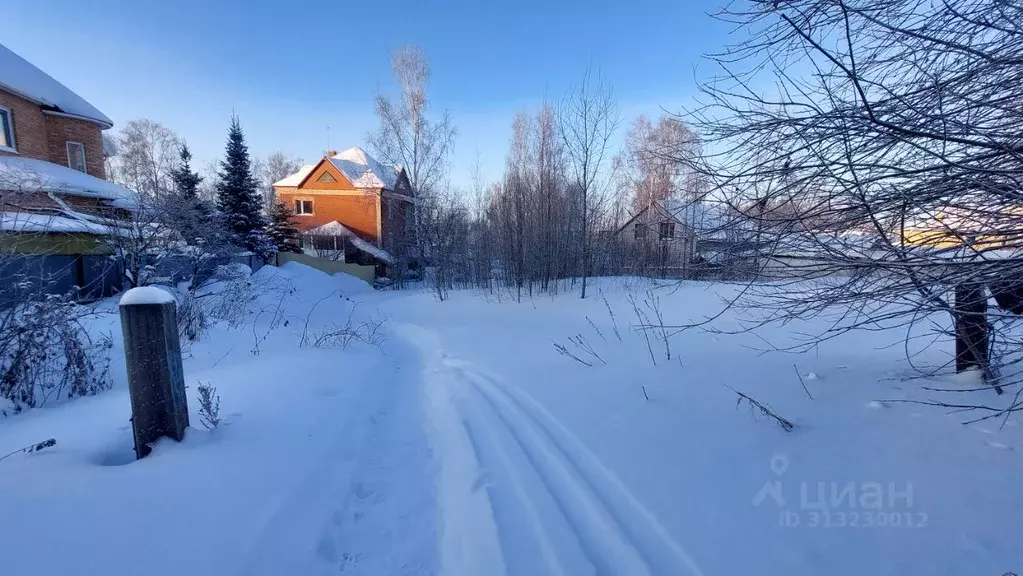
(667, 230)
(640, 231)
(304, 207)
(76, 156)
(326, 177)
(6, 130)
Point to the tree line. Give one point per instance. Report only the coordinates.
(555, 214)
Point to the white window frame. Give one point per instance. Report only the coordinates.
(85, 162)
(10, 126)
(299, 204)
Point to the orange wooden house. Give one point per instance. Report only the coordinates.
(350, 205)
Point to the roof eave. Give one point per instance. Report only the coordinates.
(104, 123)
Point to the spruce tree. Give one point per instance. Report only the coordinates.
(237, 199)
(187, 213)
(282, 229)
(186, 182)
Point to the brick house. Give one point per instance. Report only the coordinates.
(41, 119)
(350, 206)
(55, 204)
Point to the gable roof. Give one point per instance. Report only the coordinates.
(704, 218)
(355, 164)
(20, 77)
(363, 171)
(295, 179)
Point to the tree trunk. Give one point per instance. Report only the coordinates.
(971, 330)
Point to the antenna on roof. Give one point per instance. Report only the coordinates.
(328, 136)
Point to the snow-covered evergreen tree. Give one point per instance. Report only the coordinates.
(188, 214)
(282, 229)
(237, 199)
(186, 182)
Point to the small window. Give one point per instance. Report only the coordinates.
(303, 207)
(326, 177)
(6, 130)
(76, 156)
(667, 230)
(640, 231)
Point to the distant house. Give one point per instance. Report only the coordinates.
(54, 201)
(656, 240)
(350, 206)
(679, 239)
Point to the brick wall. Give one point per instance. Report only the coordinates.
(27, 201)
(358, 213)
(393, 214)
(45, 136)
(29, 127)
(60, 131)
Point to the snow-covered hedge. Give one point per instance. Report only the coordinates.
(46, 355)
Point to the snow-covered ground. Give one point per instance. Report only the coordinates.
(465, 443)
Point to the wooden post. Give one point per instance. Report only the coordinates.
(152, 352)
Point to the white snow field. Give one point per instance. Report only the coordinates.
(464, 443)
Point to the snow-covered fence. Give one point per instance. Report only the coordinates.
(367, 273)
(152, 352)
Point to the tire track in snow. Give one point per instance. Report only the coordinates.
(514, 480)
(602, 540)
(595, 502)
(469, 542)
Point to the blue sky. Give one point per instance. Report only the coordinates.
(290, 69)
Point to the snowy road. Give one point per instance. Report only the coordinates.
(369, 509)
(444, 456)
(551, 506)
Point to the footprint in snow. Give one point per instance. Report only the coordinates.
(480, 482)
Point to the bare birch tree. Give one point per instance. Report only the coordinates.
(587, 119)
(147, 152)
(407, 136)
(275, 167)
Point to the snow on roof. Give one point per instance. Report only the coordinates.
(30, 175)
(296, 178)
(146, 295)
(363, 170)
(19, 76)
(702, 217)
(378, 253)
(48, 223)
(335, 228)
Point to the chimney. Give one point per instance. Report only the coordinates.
(331, 153)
